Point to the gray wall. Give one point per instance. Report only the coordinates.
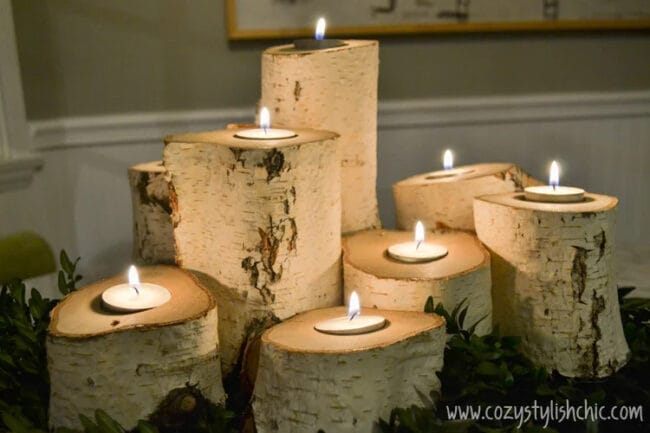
(82, 57)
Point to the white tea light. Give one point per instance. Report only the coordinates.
(265, 132)
(417, 251)
(448, 167)
(319, 42)
(553, 192)
(354, 323)
(134, 296)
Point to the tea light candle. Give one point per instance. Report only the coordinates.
(553, 192)
(134, 296)
(417, 251)
(319, 42)
(265, 132)
(448, 167)
(354, 323)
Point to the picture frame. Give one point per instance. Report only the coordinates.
(274, 19)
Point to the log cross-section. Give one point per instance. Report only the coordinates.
(126, 364)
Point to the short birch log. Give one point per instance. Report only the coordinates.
(259, 221)
(153, 239)
(126, 364)
(333, 89)
(553, 280)
(444, 199)
(309, 381)
(382, 282)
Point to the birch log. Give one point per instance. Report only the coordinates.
(553, 280)
(260, 221)
(381, 282)
(444, 199)
(333, 89)
(126, 364)
(309, 381)
(153, 240)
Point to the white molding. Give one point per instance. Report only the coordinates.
(512, 109)
(130, 128)
(17, 172)
(17, 163)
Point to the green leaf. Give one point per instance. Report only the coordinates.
(88, 425)
(429, 305)
(66, 264)
(486, 368)
(63, 284)
(146, 427)
(106, 423)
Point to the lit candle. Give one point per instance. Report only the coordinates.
(448, 168)
(265, 132)
(352, 324)
(553, 192)
(134, 296)
(417, 251)
(318, 42)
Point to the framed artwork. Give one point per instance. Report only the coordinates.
(264, 19)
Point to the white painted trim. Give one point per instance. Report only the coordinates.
(18, 171)
(17, 163)
(132, 128)
(129, 128)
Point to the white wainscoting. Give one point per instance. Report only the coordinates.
(80, 199)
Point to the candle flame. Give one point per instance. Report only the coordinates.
(319, 34)
(419, 234)
(354, 308)
(448, 160)
(134, 279)
(265, 118)
(554, 178)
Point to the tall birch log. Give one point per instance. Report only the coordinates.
(444, 199)
(153, 239)
(309, 381)
(259, 221)
(333, 89)
(553, 280)
(126, 364)
(463, 276)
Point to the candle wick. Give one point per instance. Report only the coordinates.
(137, 292)
(353, 315)
(554, 187)
(417, 245)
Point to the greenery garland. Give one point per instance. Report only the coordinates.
(478, 371)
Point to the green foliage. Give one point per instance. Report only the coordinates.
(68, 278)
(491, 370)
(24, 381)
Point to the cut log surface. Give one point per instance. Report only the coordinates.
(153, 239)
(310, 381)
(259, 221)
(126, 364)
(333, 89)
(382, 282)
(553, 280)
(443, 200)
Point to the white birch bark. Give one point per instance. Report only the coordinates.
(126, 364)
(553, 280)
(444, 200)
(309, 381)
(153, 240)
(259, 221)
(333, 89)
(381, 282)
